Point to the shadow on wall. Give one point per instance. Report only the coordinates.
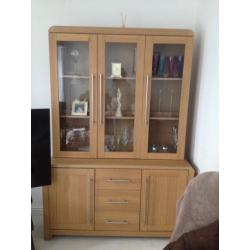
(193, 100)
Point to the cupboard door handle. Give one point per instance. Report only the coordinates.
(116, 202)
(118, 180)
(100, 79)
(91, 201)
(92, 99)
(117, 222)
(146, 106)
(146, 204)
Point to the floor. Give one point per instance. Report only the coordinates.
(93, 243)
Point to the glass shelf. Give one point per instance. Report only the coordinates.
(75, 76)
(75, 116)
(165, 118)
(166, 78)
(120, 118)
(121, 78)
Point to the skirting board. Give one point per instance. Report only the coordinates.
(37, 211)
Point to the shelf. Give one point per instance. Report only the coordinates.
(121, 78)
(75, 76)
(166, 79)
(75, 116)
(164, 114)
(164, 118)
(120, 118)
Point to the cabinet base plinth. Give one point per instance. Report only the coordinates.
(58, 232)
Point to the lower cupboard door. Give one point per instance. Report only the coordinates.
(160, 191)
(71, 199)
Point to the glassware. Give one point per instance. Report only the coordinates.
(159, 100)
(161, 65)
(75, 56)
(164, 148)
(111, 143)
(170, 66)
(125, 137)
(179, 65)
(154, 148)
(155, 64)
(118, 142)
(171, 101)
(174, 137)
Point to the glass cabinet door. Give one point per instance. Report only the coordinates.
(75, 95)
(120, 88)
(166, 81)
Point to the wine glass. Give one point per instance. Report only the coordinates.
(75, 56)
(174, 137)
(125, 137)
(154, 148)
(164, 148)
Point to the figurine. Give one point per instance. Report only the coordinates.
(118, 98)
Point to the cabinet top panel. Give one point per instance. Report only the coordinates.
(117, 163)
(121, 31)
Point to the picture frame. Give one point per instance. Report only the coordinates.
(79, 108)
(116, 70)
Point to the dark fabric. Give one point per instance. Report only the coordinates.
(205, 238)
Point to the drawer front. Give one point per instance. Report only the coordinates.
(118, 179)
(117, 201)
(117, 221)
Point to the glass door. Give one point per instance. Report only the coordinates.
(166, 91)
(120, 69)
(73, 62)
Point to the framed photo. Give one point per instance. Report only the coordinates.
(79, 107)
(116, 70)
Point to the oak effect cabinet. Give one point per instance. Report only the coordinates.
(119, 114)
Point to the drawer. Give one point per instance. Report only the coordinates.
(117, 221)
(118, 179)
(117, 200)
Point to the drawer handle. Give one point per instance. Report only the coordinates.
(117, 202)
(118, 180)
(117, 222)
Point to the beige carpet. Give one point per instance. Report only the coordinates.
(93, 243)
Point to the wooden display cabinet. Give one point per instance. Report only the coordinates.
(119, 114)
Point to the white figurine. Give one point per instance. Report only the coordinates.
(118, 98)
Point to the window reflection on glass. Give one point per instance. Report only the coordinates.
(73, 83)
(120, 96)
(166, 83)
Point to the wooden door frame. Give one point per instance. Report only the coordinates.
(188, 43)
(92, 39)
(140, 41)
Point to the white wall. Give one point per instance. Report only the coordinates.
(202, 141)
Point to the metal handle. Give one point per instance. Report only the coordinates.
(146, 109)
(146, 205)
(118, 180)
(123, 222)
(92, 99)
(117, 202)
(100, 79)
(91, 219)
